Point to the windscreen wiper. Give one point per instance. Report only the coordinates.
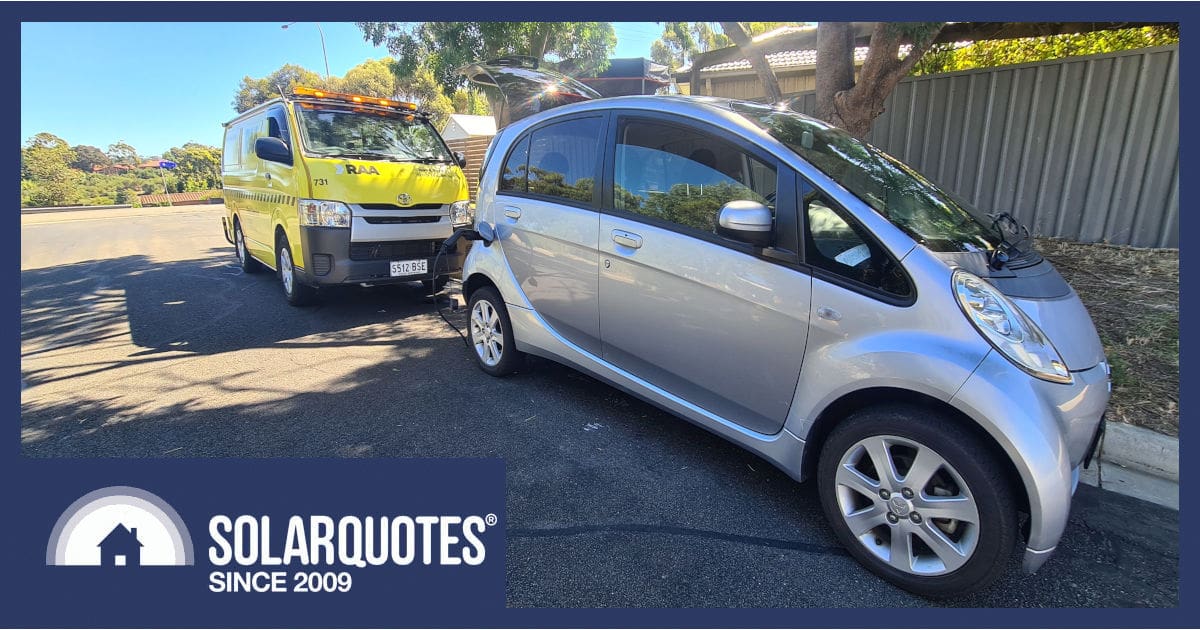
(1005, 223)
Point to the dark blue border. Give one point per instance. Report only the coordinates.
(16, 470)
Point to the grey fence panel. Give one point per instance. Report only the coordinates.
(1083, 148)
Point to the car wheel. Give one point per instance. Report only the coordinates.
(247, 262)
(491, 334)
(297, 293)
(919, 499)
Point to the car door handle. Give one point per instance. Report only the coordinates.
(628, 239)
(512, 212)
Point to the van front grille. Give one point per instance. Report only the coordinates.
(392, 206)
(395, 220)
(394, 250)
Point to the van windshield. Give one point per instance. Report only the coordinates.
(335, 130)
(914, 204)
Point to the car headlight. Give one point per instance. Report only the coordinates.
(462, 213)
(1008, 328)
(321, 213)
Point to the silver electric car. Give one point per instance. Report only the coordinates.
(795, 290)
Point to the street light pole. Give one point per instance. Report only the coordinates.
(324, 54)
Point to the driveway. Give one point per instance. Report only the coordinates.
(142, 338)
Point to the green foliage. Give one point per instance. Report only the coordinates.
(444, 47)
(253, 91)
(1002, 52)
(45, 163)
(373, 77)
(55, 174)
(88, 158)
(122, 153)
(470, 101)
(198, 166)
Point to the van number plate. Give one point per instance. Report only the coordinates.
(409, 267)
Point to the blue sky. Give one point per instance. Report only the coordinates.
(159, 85)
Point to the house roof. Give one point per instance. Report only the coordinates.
(121, 535)
(780, 60)
(473, 125)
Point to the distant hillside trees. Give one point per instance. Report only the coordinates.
(53, 173)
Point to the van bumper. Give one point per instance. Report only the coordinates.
(1046, 429)
(329, 260)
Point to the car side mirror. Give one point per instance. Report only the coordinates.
(273, 150)
(746, 221)
(461, 159)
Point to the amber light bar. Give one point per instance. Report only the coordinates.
(352, 98)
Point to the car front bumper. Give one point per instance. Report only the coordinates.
(331, 258)
(1046, 429)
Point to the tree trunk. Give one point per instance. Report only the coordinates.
(757, 60)
(835, 67)
(856, 108)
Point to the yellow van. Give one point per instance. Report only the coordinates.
(328, 188)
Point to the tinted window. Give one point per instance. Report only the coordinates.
(928, 214)
(684, 176)
(562, 159)
(513, 175)
(836, 243)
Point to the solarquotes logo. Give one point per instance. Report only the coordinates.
(123, 526)
(120, 526)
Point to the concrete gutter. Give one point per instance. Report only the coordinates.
(1137, 462)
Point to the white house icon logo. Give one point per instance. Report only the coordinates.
(119, 526)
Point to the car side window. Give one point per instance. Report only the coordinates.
(683, 175)
(514, 174)
(562, 159)
(835, 242)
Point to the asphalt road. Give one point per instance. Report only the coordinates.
(141, 338)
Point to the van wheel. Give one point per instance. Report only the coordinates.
(491, 334)
(247, 262)
(297, 293)
(433, 287)
(919, 500)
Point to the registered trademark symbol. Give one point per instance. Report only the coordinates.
(490, 519)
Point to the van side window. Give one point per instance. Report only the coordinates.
(231, 153)
(563, 157)
(835, 242)
(514, 173)
(683, 175)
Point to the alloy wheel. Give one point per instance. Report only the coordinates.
(907, 505)
(487, 333)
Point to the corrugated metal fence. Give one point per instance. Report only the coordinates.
(1083, 148)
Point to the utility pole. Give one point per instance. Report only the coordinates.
(323, 53)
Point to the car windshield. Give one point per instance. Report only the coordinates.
(930, 215)
(336, 130)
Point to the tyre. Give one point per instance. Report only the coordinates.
(490, 334)
(247, 262)
(296, 292)
(433, 287)
(919, 499)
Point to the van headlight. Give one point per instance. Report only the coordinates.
(322, 213)
(462, 213)
(1008, 328)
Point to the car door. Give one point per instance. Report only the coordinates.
(545, 209)
(719, 323)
